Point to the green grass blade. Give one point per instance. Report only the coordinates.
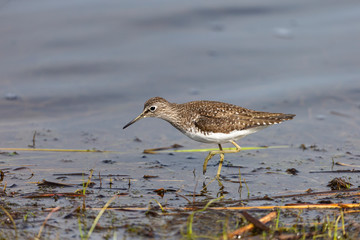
(214, 149)
(12, 221)
(158, 203)
(191, 217)
(99, 216)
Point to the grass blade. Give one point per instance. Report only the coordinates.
(99, 216)
(12, 220)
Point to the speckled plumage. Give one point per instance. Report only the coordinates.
(211, 122)
(209, 117)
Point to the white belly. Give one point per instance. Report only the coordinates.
(221, 137)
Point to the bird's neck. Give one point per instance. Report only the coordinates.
(173, 115)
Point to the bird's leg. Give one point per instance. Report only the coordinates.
(221, 152)
(209, 156)
(221, 161)
(238, 148)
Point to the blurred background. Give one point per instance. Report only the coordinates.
(82, 69)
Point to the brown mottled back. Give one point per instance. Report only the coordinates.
(211, 116)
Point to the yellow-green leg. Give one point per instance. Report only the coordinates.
(221, 153)
(221, 162)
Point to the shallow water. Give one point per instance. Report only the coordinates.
(76, 73)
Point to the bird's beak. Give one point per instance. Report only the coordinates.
(142, 115)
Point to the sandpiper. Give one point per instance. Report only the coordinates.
(211, 122)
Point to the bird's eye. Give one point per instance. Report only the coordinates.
(152, 108)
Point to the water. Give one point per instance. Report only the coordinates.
(77, 72)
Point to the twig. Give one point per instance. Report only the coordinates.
(155, 150)
(333, 192)
(44, 223)
(297, 206)
(56, 150)
(254, 221)
(33, 141)
(347, 165)
(249, 227)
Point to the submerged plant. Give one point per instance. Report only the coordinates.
(103, 209)
(189, 232)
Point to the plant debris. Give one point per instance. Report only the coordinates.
(292, 171)
(339, 183)
(154, 150)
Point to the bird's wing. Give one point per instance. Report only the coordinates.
(239, 121)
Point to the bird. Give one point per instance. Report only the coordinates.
(211, 122)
